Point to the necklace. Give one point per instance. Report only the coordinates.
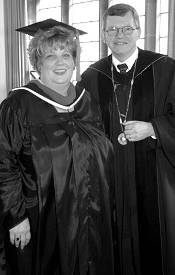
(122, 117)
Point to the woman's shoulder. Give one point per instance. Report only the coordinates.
(12, 100)
(22, 95)
(11, 108)
(18, 100)
(17, 94)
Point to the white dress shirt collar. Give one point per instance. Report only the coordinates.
(129, 62)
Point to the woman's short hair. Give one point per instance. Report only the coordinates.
(121, 10)
(53, 38)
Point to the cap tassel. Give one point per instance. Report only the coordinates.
(78, 75)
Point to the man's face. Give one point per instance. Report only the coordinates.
(122, 45)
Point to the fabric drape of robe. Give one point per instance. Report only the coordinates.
(144, 170)
(55, 169)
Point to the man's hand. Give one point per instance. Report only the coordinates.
(20, 234)
(138, 130)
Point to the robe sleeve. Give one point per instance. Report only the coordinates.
(12, 202)
(164, 125)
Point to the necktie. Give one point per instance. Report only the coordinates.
(122, 68)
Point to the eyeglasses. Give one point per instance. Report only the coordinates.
(127, 30)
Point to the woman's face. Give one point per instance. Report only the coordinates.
(57, 67)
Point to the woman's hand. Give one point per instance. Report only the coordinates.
(20, 234)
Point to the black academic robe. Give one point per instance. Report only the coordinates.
(55, 169)
(144, 170)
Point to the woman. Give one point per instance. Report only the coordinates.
(55, 168)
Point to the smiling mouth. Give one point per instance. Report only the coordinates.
(60, 71)
(120, 43)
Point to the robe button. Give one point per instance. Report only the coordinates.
(90, 262)
(71, 123)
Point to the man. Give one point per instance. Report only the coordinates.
(136, 92)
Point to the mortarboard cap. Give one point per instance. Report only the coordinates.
(49, 23)
(45, 25)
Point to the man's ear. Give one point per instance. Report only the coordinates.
(139, 33)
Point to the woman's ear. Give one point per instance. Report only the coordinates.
(38, 66)
(103, 36)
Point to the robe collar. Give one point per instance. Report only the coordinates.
(39, 92)
(129, 61)
(145, 60)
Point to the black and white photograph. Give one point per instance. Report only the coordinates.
(87, 137)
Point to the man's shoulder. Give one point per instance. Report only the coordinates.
(156, 58)
(101, 66)
(150, 53)
(101, 63)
